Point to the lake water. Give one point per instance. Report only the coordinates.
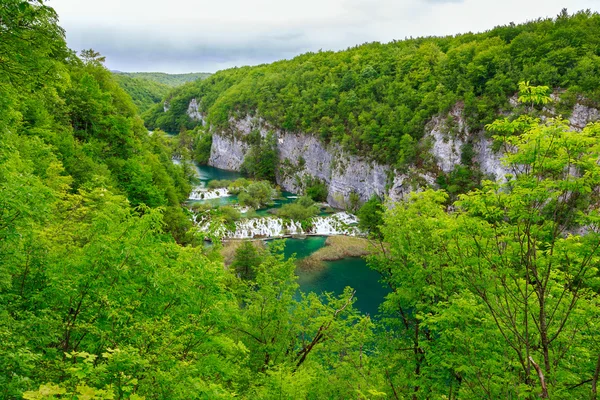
(336, 275)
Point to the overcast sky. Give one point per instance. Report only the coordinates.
(204, 36)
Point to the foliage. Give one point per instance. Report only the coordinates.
(261, 160)
(257, 195)
(461, 179)
(316, 189)
(144, 93)
(375, 99)
(534, 95)
(170, 80)
(301, 210)
(370, 217)
(494, 299)
(201, 147)
(246, 260)
(219, 183)
(229, 214)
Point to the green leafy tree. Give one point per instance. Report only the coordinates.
(370, 217)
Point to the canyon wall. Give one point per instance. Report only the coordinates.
(302, 155)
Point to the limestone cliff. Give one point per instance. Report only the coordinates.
(302, 155)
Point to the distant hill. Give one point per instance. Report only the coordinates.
(149, 88)
(171, 80)
(144, 92)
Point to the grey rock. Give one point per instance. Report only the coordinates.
(193, 111)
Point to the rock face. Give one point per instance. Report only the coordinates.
(227, 152)
(302, 156)
(193, 112)
(447, 138)
(582, 115)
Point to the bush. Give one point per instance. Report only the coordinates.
(217, 184)
(229, 214)
(257, 195)
(261, 160)
(316, 189)
(238, 185)
(301, 210)
(371, 217)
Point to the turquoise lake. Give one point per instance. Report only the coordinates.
(352, 272)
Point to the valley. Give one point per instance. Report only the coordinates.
(411, 219)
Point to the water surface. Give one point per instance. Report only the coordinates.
(336, 275)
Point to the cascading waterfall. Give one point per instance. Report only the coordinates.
(265, 227)
(336, 224)
(272, 227)
(200, 193)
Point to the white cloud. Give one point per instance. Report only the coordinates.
(201, 35)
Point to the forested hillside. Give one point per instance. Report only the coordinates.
(171, 80)
(375, 99)
(106, 292)
(144, 92)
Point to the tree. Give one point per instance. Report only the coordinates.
(533, 95)
(519, 257)
(261, 160)
(246, 261)
(504, 264)
(370, 217)
(92, 57)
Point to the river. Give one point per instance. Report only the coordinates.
(336, 275)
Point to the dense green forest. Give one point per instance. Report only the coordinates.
(106, 292)
(144, 92)
(171, 80)
(149, 88)
(375, 99)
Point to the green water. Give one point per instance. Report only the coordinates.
(352, 272)
(207, 173)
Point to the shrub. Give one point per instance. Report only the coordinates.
(301, 210)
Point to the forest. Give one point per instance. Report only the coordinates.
(170, 80)
(375, 99)
(143, 92)
(108, 292)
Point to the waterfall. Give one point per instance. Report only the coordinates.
(265, 227)
(336, 224)
(200, 193)
(269, 227)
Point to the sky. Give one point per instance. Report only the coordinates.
(179, 36)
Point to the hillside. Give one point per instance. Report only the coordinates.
(109, 289)
(144, 92)
(171, 80)
(375, 99)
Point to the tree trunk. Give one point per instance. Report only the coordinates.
(595, 380)
(544, 394)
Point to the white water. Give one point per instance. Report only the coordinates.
(200, 193)
(336, 224)
(272, 227)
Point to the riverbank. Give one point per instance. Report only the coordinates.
(338, 248)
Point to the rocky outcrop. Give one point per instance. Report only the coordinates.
(227, 152)
(583, 115)
(447, 134)
(302, 155)
(194, 113)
